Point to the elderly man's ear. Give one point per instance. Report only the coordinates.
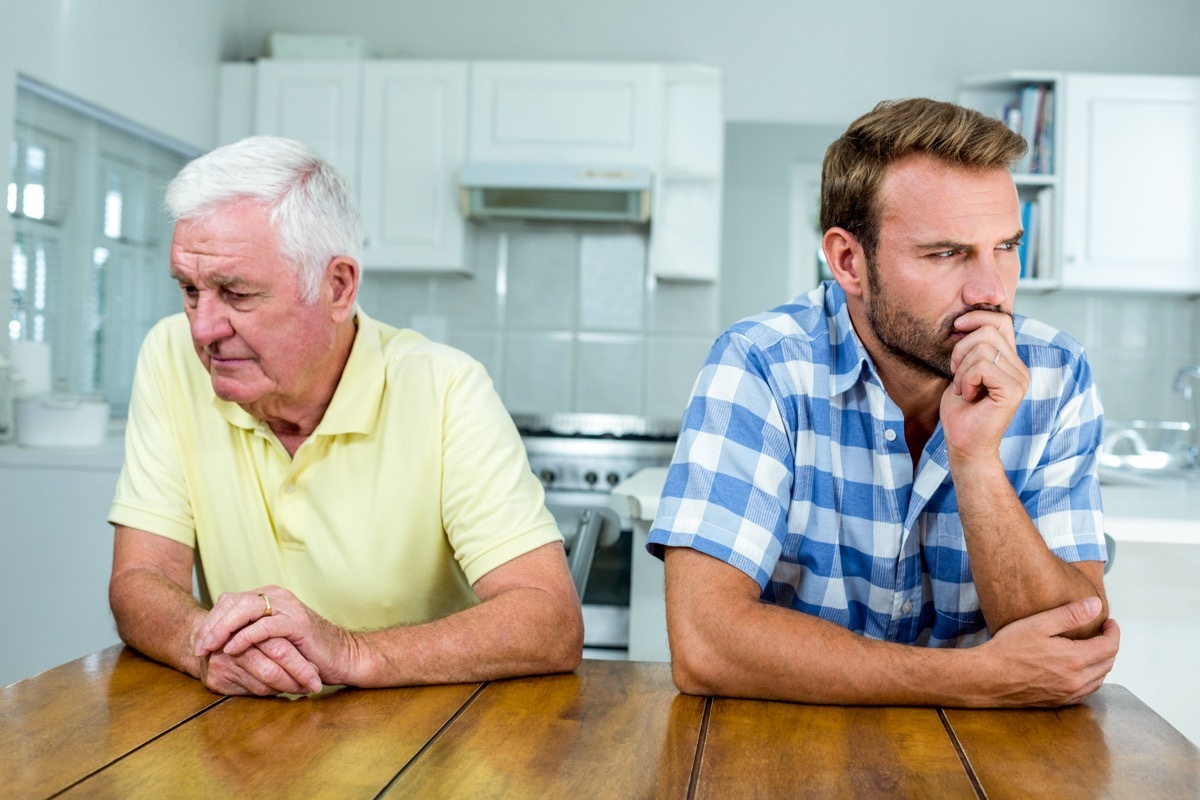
(846, 260)
(342, 277)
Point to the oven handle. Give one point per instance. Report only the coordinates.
(588, 526)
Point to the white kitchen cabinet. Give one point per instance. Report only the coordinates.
(664, 116)
(395, 129)
(401, 131)
(542, 112)
(685, 228)
(315, 102)
(1132, 183)
(412, 145)
(57, 555)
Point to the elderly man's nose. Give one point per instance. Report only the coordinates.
(209, 321)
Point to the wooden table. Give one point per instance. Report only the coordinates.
(116, 725)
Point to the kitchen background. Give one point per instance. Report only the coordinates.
(565, 317)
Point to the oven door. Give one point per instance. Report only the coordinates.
(597, 554)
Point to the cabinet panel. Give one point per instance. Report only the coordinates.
(57, 560)
(413, 143)
(686, 225)
(1132, 180)
(550, 112)
(685, 243)
(315, 102)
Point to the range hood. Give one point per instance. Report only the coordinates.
(555, 191)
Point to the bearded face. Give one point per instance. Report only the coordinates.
(922, 343)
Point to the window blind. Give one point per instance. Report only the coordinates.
(89, 264)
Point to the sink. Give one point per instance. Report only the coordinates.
(1148, 452)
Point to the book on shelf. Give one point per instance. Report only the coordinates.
(1027, 250)
(1035, 250)
(1031, 114)
(1045, 241)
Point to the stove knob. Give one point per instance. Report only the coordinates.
(613, 479)
(547, 476)
(591, 478)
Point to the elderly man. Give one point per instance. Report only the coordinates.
(885, 492)
(355, 496)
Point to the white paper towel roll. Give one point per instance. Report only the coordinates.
(31, 361)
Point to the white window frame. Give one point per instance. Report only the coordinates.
(95, 329)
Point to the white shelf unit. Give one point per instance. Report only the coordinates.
(991, 95)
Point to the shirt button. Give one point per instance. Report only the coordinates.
(289, 489)
(907, 607)
(890, 435)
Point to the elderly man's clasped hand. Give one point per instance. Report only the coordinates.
(265, 642)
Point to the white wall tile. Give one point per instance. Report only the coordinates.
(1135, 344)
(612, 281)
(538, 369)
(608, 374)
(472, 301)
(543, 266)
(677, 307)
(395, 298)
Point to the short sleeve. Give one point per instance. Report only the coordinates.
(729, 485)
(151, 492)
(493, 505)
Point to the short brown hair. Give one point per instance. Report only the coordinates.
(855, 164)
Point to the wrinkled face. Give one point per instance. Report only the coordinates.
(251, 329)
(947, 245)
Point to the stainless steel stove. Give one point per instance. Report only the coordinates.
(579, 459)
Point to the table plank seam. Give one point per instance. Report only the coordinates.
(962, 755)
(216, 702)
(434, 738)
(694, 778)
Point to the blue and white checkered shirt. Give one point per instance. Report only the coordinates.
(792, 466)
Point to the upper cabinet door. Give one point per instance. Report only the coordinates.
(1131, 216)
(315, 102)
(562, 113)
(413, 143)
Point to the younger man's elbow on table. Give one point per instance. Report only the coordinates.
(697, 664)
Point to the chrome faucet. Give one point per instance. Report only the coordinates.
(1183, 383)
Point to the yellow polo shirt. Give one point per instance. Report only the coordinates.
(413, 486)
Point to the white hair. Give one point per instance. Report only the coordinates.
(311, 206)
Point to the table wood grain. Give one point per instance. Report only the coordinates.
(1113, 745)
(61, 726)
(117, 725)
(609, 730)
(346, 743)
(772, 749)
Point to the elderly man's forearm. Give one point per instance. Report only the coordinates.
(156, 617)
(521, 632)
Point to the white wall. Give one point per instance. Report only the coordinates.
(783, 60)
(147, 60)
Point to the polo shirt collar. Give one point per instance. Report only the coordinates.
(356, 400)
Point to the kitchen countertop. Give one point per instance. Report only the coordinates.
(1165, 514)
(108, 456)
